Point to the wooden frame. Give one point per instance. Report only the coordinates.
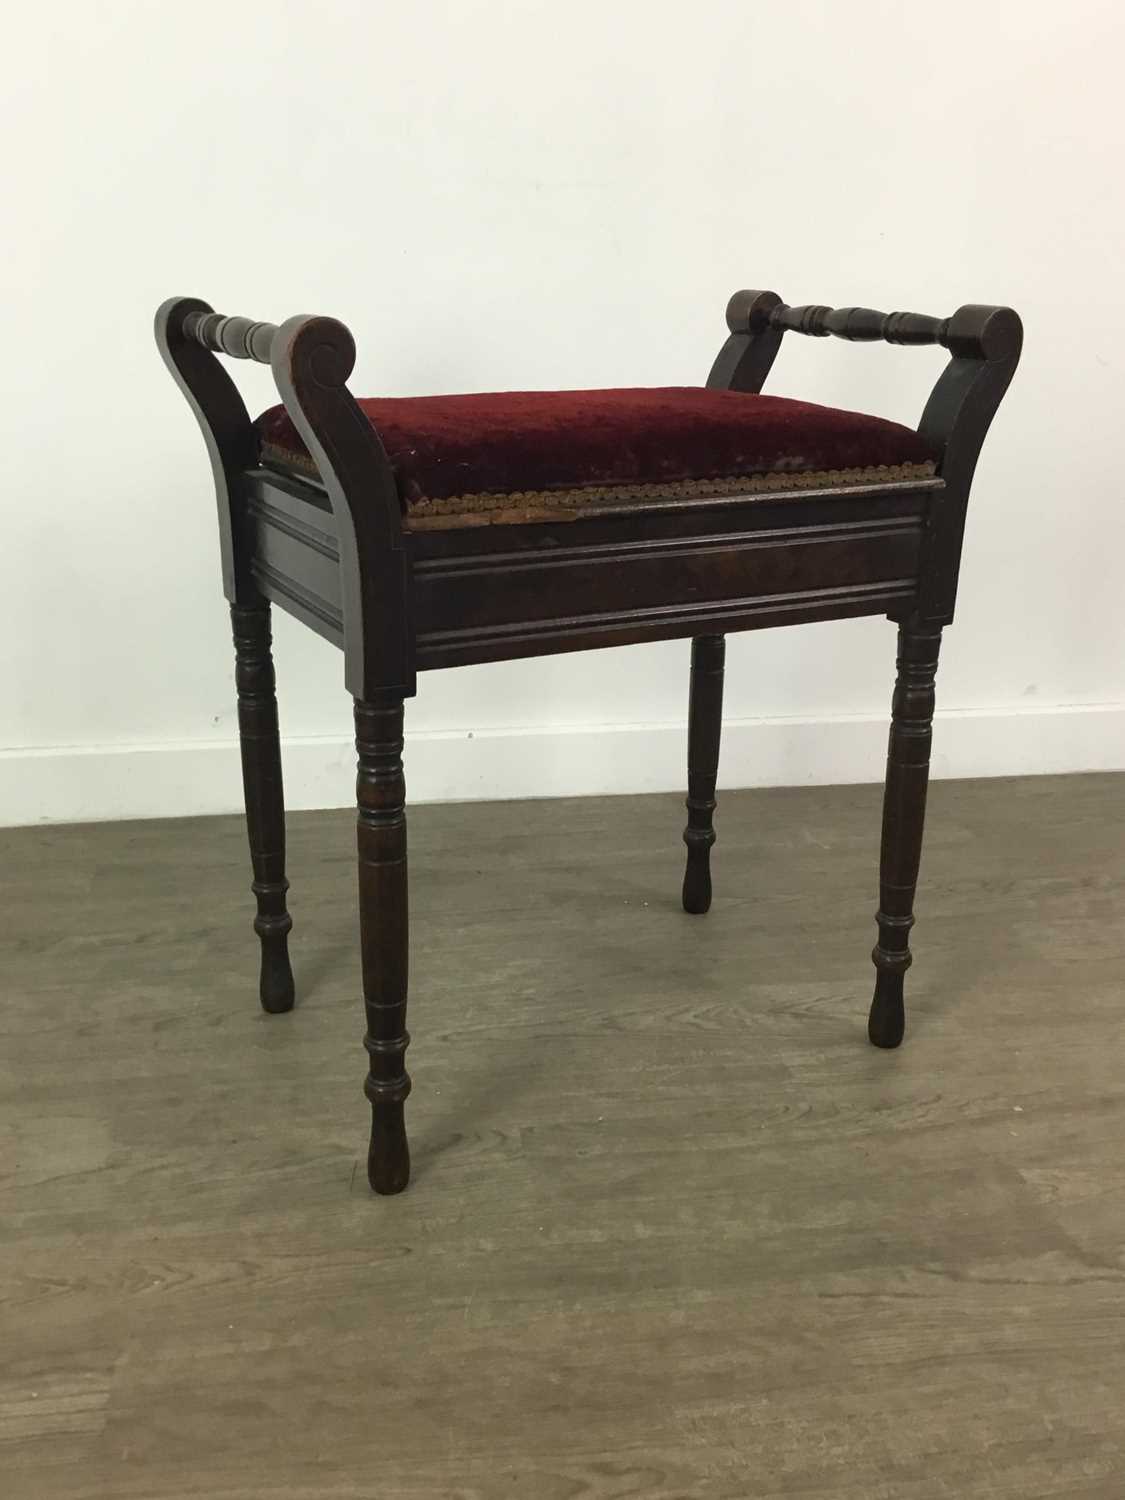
(333, 552)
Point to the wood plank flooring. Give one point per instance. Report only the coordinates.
(675, 1231)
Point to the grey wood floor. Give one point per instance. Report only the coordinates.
(675, 1230)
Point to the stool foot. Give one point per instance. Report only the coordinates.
(275, 989)
(388, 1156)
(886, 1021)
(696, 894)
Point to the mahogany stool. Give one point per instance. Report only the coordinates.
(442, 530)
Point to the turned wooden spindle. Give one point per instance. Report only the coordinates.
(904, 811)
(383, 921)
(265, 804)
(705, 722)
(241, 338)
(859, 324)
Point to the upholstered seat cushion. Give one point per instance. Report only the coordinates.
(546, 455)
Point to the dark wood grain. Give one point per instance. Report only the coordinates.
(705, 727)
(227, 432)
(311, 360)
(904, 812)
(384, 933)
(586, 590)
(265, 802)
(985, 343)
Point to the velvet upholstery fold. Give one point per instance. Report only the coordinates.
(479, 451)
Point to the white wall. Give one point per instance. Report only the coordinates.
(533, 194)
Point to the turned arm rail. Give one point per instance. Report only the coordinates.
(241, 338)
(975, 331)
(861, 324)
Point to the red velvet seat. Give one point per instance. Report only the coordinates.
(553, 455)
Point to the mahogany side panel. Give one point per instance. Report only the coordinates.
(482, 608)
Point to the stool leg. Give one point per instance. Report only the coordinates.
(904, 811)
(705, 723)
(265, 806)
(384, 933)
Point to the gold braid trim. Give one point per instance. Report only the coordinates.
(487, 508)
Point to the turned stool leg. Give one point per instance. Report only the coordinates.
(265, 806)
(384, 929)
(705, 722)
(904, 811)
